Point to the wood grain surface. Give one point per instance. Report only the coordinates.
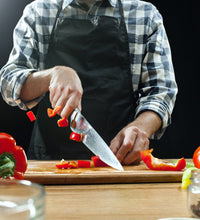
(143, 201)
(45, 172)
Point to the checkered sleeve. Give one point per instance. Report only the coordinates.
(23, 60)
(157, 87)
(30, 45)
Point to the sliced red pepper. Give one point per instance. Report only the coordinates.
(154, 163)
(53, 112)
(63, 122)
(73, 165)
(65, 164)
(98, 162)
(13, 161)
(62, 164)
(75, 137)
(84, 164)
(31, 116)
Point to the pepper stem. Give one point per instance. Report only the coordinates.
(7, 165)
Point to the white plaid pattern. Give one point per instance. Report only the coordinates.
(151, 65)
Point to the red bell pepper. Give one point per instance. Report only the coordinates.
(154, 163)
(98, 162)
(63, 122)
(84, 164)
(31, 116)
(75, 136)
(13, 161)
(53, 112)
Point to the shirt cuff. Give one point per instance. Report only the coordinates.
(18, 86)
(161, 110)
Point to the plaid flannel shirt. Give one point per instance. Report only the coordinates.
(150, 56)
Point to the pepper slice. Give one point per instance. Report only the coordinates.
(98, 162)
(75, 137)
(62, 164)
(154, 163)
(73, 165)
(31, 116)
(53, 112)
(65, 164)
(84, 164)
(63, 122)
(13, 161)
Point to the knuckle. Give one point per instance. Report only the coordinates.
(128, 145)
(79, 93)
(71, 105)
(134, 130)
(144, 134)
(75, 91)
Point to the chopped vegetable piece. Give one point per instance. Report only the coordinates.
(154, 163)
(31, 116)
(84, 164)
(62, 164)
(196, 158)
(73, 164)
(186, 177)
(66, 164)
(53, 112)
(98, 162)
(75, 137)
(13, 161)
(63, 122)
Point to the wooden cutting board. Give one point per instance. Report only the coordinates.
(45, 172)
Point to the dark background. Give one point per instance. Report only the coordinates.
(181, 21)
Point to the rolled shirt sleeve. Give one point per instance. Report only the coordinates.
(31, 39)
(23, 60)
(157, 88)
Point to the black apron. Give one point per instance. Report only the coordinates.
(97, 48)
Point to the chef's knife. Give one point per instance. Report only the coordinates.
(93, 140)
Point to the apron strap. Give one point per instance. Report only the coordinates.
(121, 11)
(56, 19)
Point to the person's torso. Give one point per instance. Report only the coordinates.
(96, 47)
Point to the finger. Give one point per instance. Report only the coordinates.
(141, 143)
(69, 107)
(52, 92)
(56, 98)
(127, 144)
(80, 106)
(116, 143)
(146, 146)
(136, 162)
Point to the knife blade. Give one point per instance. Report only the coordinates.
(93, 140)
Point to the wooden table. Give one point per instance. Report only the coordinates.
(144, 201)
(137, 193)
